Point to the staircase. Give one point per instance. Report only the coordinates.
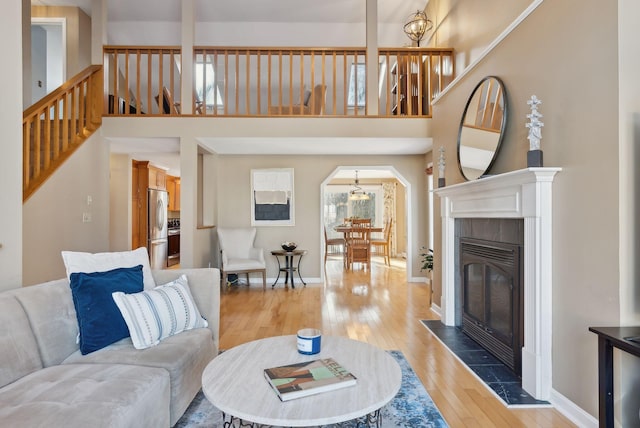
(54, 127)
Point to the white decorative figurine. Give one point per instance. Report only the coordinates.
(441, 165)
(534, 157)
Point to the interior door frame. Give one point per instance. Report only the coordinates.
(55, 21)
(408, 211)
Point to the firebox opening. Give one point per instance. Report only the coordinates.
(490, 306)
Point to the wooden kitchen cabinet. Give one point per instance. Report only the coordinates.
(139, 201)
(157, 178)
(173, 189)
(176, 199)
(143, 177)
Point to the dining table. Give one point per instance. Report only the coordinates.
(343, 228)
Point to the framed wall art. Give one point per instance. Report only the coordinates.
(272, 197)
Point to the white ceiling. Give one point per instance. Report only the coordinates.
(318, 146)
(350, 11)
(165, 152)
(279, 146)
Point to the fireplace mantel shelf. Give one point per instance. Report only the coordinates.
(522, 194)
(519, 176)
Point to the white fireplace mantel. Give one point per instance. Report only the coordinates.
(522, 194)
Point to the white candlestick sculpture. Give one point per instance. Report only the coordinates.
(441, 165)
(534, 156)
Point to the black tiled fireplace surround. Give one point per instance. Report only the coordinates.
(497, 376)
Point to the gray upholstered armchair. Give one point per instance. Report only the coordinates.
(238, 253)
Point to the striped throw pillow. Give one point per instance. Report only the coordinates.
(156, 314)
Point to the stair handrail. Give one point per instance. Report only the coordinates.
(56, 125)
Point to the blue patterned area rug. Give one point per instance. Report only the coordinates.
(411, 407)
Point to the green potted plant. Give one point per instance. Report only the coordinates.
(427, 259)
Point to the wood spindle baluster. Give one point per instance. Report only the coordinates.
(247, 82)
(324, 82)
(335, 86)
(73, 117)
(344, 79)
(65, 122)
(46, 144)
(258, 88)
(280, 82)
(27, 137)
(56, 129)
(161, 84)
(114, 107)
(127, 85)
(149, 58)
(138, 89)
(290, 82)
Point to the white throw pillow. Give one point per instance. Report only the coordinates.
(102, 262)
(156, 314)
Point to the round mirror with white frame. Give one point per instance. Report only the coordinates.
(482, 128)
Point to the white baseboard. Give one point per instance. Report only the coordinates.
(572, 411)
(435, 308)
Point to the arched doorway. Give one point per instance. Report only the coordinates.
(373, 179)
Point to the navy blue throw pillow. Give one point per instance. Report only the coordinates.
(99, 319)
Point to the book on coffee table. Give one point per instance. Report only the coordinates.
(308, 378)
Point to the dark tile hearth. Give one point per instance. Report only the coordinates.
(490, 370)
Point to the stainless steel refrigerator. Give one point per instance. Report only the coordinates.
(157, 243)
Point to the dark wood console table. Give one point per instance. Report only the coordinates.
(608, 338)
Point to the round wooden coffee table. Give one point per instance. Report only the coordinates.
(234, 382)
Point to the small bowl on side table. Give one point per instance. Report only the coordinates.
(289, 246)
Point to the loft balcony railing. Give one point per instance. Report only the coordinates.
(231, 81)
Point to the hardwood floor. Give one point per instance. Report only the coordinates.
(383, 309)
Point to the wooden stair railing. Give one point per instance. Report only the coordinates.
(54, 127)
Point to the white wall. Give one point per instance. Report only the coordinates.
(54, 214)
(11, 21)
(628, 367)
(234, 201)
(470, 27)
(263, 34)
(120, 210)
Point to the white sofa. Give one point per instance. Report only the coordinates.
(46, 382)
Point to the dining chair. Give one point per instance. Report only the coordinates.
(361, 222)
(358, 242)
(382, 245)
(333, 246)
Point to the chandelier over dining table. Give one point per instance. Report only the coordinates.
(357, 193)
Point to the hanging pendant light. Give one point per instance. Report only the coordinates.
(357, 194)
(417, 24)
